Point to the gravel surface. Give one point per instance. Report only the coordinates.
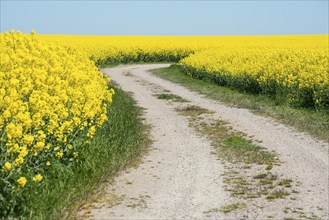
(181, 178)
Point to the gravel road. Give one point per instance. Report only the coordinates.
(180, 178)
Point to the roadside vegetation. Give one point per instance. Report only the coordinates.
(309, 120)
(117, 145)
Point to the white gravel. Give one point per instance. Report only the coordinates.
(181, 179)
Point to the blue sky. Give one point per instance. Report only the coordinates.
(166, 17)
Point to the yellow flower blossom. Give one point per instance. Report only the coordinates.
(47, 91)
(7, 166)
(59, 155)
(37, 178)
(92, 131)
(28, 139)
(19, 161)
(21, 181)
(39, 145)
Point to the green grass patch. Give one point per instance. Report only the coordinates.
(269, 179)
(260, 176)
(238, 148)
(245, 187)
(278, 194)
(193, 110)
(232, 207)
(111, 63)
(118, 144)
(315, 122)
(228, 208)
(285, 183)
(230, 145)
(169, 96)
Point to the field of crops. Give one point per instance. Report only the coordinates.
(53, 98)
(294, 67)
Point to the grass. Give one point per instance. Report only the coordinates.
(268, 179)
(267, 185)
(112, 64)
(228, 208)
(278, 194)
(230, 145)
(311, 121)
(238, 186)
(235, 148)
(193, 110)
(238, 148)
(232, 207)
(260, 176)
(169, 96)
(286, 183)
(118, 144)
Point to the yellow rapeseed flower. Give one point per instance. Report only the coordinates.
(75, 154)
(7, 166)
(37, 178)
(59, 155)
(28, 139)
(47, 91)
(19, 161)
(39, 145)
(21, 181)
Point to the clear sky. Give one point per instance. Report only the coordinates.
(166, 17)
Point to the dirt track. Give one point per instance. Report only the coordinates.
(181, 177)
